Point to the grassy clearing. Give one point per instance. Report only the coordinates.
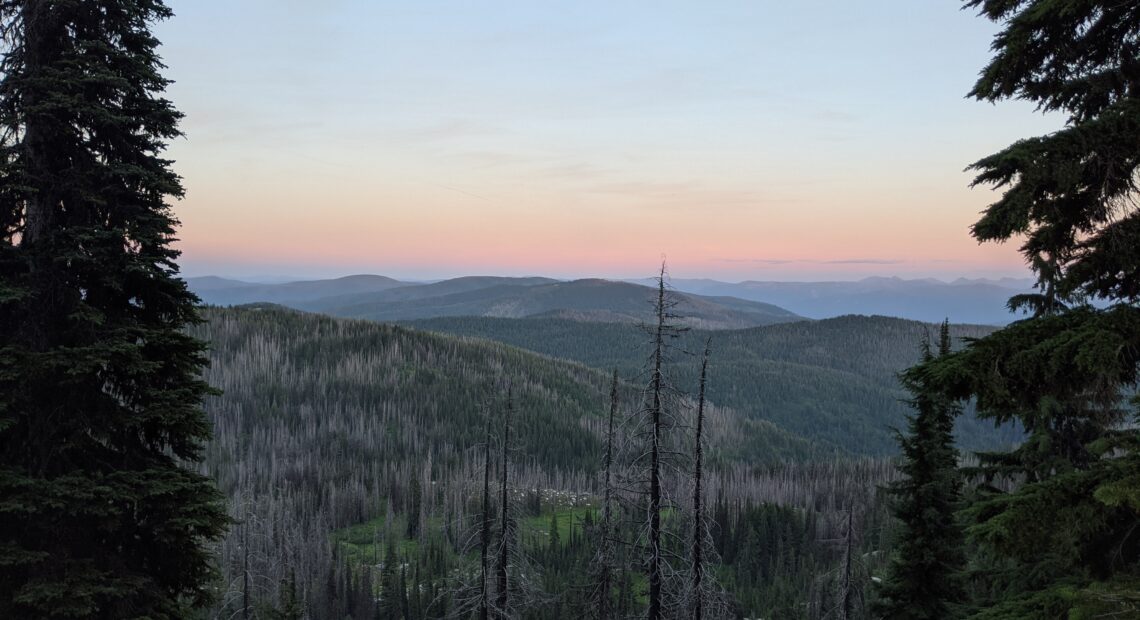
(538, 527)
(365, 543)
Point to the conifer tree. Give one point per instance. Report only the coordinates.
(485, 527)
(390, 597)
(99, 385)
(555, 539)
(504, 562)
(604, 562)
(1062, 542)
(415, 511)
(924, 580)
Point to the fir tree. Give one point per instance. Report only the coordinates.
(415, 509)
(391, 599)
(291, 607)
(924, 580)
(504, 563)
(555, 538)
(604, 558)
(485, 527)
(1061, 543)
(99, 385)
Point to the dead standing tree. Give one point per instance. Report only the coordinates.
(657, 418)
(485, 530)
(506, 523)
(517, 576)
(704, 597)
(844, 600)
(468, 598)
(697, 567)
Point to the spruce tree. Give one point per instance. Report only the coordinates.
(391, 599)
(924, 578)
(603, 564)
(1059, 538)
(99, 386)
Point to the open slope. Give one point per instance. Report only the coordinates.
(321, 395)
(831, 381)
(329, 424)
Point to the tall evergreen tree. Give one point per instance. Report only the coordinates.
(603, 564)
(485, 527)
(99, 386)
(924, 580)
(391, 599)
(506, 519)
(1063, 542)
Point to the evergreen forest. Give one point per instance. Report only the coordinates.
(308, 401)
(583, 449)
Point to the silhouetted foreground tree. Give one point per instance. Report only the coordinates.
(1058, 539)
(99, 386)
(924, 581)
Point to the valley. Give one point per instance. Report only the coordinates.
(344, 443)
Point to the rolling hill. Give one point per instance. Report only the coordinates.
(969, 301)
(595, 300)
(591, 300)
(972, 301)
(831, 381)
(330, 425)
(306, 388)
(223, 292)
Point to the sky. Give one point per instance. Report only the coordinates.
(760, 139)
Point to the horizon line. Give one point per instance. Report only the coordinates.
(290, 278)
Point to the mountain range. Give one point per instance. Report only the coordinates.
(708, 303)
(976, 301)
(383, 299)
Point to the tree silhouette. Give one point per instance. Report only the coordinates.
(100, 386)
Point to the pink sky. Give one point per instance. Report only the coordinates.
(811, 140)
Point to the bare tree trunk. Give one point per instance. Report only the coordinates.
(847, 602)
(245, 569)
(485, 533)
(605, 578)
(505, 519)
(656, 387)
(698, 566)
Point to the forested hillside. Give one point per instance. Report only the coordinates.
(590, 299)
(833, 381)
(327, 423)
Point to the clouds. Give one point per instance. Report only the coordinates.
(809, 261)
(787, 135)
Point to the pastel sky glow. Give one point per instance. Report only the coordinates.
(743, 140)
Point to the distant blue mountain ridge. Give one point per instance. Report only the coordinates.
(712, 304)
